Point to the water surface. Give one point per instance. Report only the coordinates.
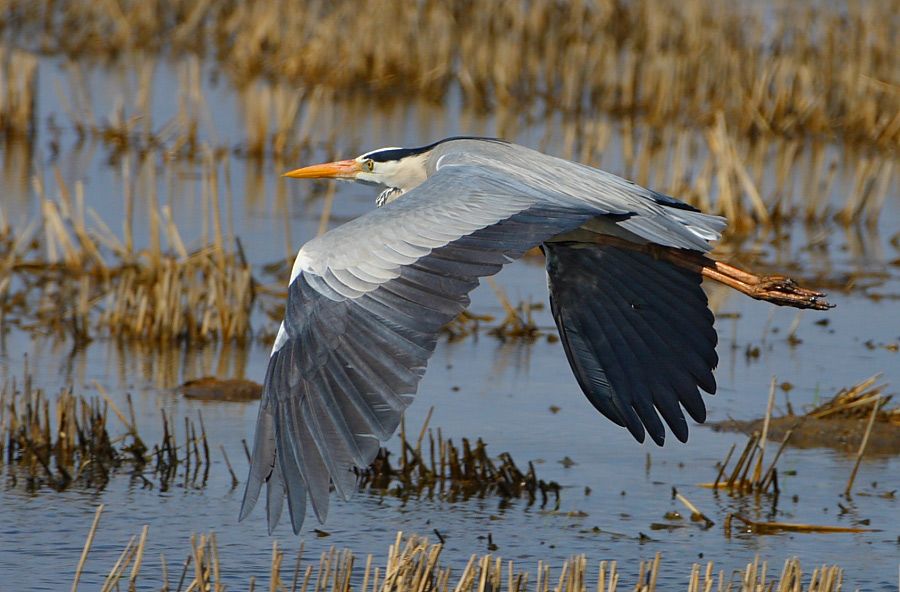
(480, 386)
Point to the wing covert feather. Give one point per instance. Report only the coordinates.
(366, 301)
(352, 357)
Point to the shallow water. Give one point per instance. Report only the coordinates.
(478, 387)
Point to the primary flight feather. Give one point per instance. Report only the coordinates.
(367, 299)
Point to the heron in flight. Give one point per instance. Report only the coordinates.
(367, 300)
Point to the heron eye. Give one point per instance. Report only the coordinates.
(370, 165)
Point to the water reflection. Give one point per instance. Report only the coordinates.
(144, 137)
(120, 365)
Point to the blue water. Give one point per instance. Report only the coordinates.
(478, 387)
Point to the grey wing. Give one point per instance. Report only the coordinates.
(637, 333)
(361, 323)
(367, 299)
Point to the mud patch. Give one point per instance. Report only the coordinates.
(210, 388)
(844, 434)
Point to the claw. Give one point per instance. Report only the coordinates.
(786, 292)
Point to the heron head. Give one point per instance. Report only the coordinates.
(397, 169)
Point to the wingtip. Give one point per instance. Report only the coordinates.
(637, 432)
(249, 500)
(297, 522)
(320, 508)
(245, 511)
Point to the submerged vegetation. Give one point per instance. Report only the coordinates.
(65, 442)
(454, 473)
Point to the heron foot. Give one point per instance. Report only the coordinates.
(784, 291)
(777, 289)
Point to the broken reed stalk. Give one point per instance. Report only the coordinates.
(757, 472)
(773, 527)
(696, 514)
(234, 479)
(87, 547)
(722, 466)
(414, 565)
(862, 445)
(68, 443)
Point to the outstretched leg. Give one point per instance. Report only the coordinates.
(777, 289)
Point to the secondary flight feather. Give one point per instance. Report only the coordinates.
(366, 302)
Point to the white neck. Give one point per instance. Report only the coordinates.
(399, 175)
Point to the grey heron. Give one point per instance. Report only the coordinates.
(367, 299)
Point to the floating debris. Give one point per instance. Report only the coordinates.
(776, 527)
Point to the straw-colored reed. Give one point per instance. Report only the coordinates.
(68, 441)
(81, 279)
(436, 467)
(725, 106)
(414, 565)
(780, 68)
(18, 91)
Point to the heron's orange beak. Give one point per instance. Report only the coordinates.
(341, 169)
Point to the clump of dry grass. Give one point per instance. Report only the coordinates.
(66, 442)
(414, 565)
(453, 473)
(797, 70)
(740, 481)
(80, 279)
(718, 104)
(856, 402)
(840, 422)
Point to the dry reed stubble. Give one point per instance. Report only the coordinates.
(414, 565)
